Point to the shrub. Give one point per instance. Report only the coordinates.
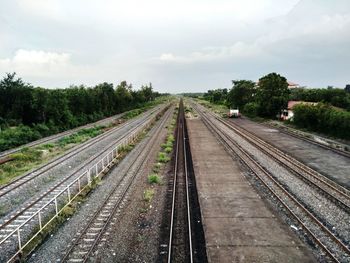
(170, 138)
(251, 109)
(27, 154)
(154, 179)
(16, 136)
(162, 157)
(168, 149)
(323, 118)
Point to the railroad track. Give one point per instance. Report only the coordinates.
(84, 244)
(180, 248)
(23, 218)
(59, 135)
(26, 178)
(334, 191)
(336, 249)
(339, 194)
(301, 137)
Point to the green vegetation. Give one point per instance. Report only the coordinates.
(156, 167)
(168, 149)
(163, 158)
(154, 179)
(323, 118)
(267, 98)
(336, 97)
(29, 158)
(28, 113)
(81, 136)
(148, 195)
(240, 94)
(131, 114)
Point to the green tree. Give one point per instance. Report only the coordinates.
(217, 96)
(272, 94)
(241, 93)
(124, 97)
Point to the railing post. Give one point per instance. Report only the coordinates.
(19, 239)
(68, 192)
(79, 187)
(40, 224)
(89, 175)
(56, 206)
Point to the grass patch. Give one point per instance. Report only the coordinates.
(81, 136)
(148, 195)
(168, 149)
(156, 167)
(30, 158)
(163, 158)
(132, 114)
(154, 179)
(217, 108)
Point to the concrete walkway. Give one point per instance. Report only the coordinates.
(238, 225)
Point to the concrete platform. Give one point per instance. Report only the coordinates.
(238, 225)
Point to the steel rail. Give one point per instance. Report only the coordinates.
(71, 248)
(181, 116)
(187, 194)
(172, 216)
(18, 182)
(249, 162)
(293, 164)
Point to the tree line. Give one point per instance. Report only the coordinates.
(265, 98)
(28, 113)
(270, 95)
(323, 118)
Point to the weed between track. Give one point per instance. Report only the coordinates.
(154, 179)
(148, 195)
(163, 157)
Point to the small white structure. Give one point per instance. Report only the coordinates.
(234, 113)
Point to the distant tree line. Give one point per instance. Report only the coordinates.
(192, 94)
(28, 113)
(271, 94)
(336, 97)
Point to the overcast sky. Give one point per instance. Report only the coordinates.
(178, 45)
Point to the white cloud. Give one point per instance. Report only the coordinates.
(209, 54)
(325, 27)
(36, 63)
(46, 8)
(157, 40)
